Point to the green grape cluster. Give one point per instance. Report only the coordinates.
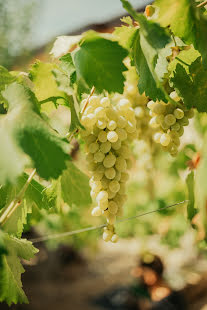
(109, 129)
(139, 104)
(168, 120)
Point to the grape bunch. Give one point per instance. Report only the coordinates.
(139, 104)
(108, 131)
(169, 120)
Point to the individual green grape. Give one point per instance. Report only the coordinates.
(110, 173)
(96, 211)
(114, 186)
(112, 136)
(105, 147)
(109, 161)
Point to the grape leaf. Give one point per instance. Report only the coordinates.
(11, 269)
(148, 46)
(15, 223)
(99, 62)
(186, 21)
(191, 203)
(29, 133)
(125, 35)
(5, 79)
(191, 86)
(44, 82)
(75, 186)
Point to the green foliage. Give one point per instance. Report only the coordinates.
(98, 63)
(28, 133)
(11, 268)
(191, 86)
(5, 79)
(75, 186)
(148, 47)
(186, 21)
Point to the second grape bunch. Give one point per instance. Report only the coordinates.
(168, 120)
(108, 131)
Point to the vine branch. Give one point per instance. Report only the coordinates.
(16, 201)
(202, 4)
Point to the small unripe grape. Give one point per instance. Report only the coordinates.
(151, 104)
(157, 137)
(88, 110)
(120, 164)
(96, 186)
(103, 205)
(111, 125)
(112, 136)
(110, 173)
(139, 112)
(170, 119)
(93, 147)
(178, 113)
(89, 157)
(114, 238)
(102, 196)
(116, 146)
(96, 211)
(121, 122)
(169, 108)
(99, 157)
(175, 127)
(111, 194)
(93, 194)
(111, 114)
(117, 176)
(158, 108)
(99, 112)
(114, 186)
(174, 134)
(159, 119)
(102, 136)
(174, 96)
(94, 101)
(153, 122)
(112, 207)
(89, 139)
(165, 139)
(184, 121)
(101, 124)
(124, 177)
(189, 114)
(124, 104)
(164, 125)
(181, 131)
(90, 119)
(105, 183)
(130, 127)
(105, 147)
(105, 102)
(109, 161)
(111, 218)
(121, 134)
(107, 235)
(131, 89)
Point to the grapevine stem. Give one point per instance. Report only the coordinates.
(17, 200)
(202, 4)
(91, 94)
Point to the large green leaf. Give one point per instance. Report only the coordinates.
(28, 133)
(186, 21)
(11, 269)
(190, 84)
(99, 63)
(149, 46)
(75, 186)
